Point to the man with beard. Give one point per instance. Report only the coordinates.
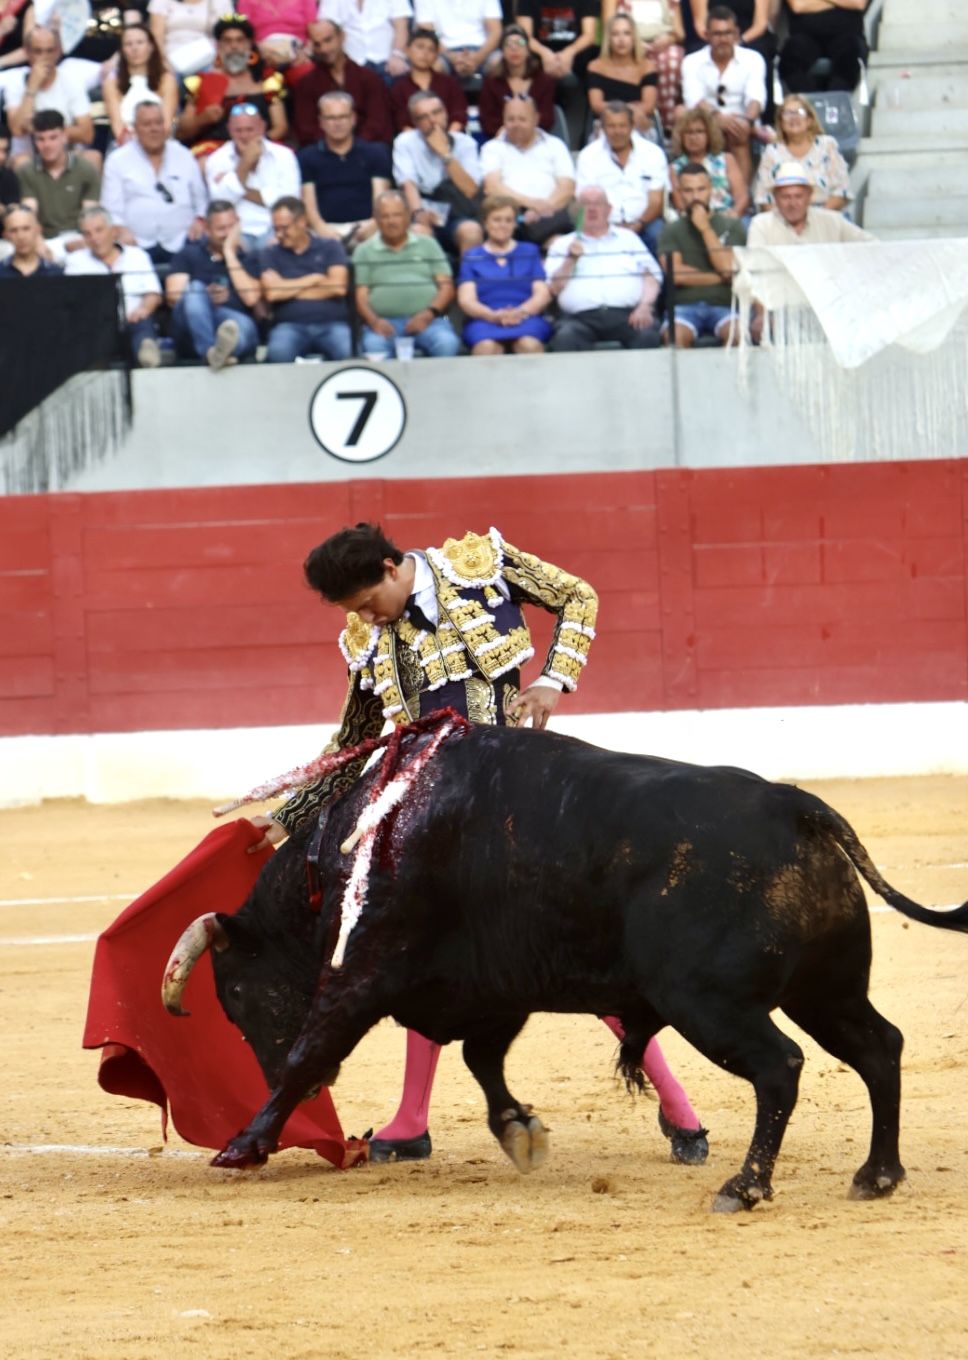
(333, 71)
(238, 77)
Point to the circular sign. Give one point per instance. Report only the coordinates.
(357, 414)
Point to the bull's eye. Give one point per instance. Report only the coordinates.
(235, 992)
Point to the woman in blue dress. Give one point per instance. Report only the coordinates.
(502, 288)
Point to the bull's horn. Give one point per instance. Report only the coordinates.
(203, 932)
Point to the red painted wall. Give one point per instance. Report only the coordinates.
(741, 587)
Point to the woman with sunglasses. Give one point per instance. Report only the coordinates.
(140, 78)
(518, 73)
(623, 72)
(801, 138)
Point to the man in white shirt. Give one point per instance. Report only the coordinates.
(794, 221)
(139, 282)
(375, 32)
(439, 173)
(252, 173)
(605, 281)
(632, 172)
(469, 31)
(532, 168)
(729, 81)
(153, 187)
(43, 84)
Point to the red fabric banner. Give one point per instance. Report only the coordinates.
(199, 1066)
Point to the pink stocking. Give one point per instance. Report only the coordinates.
(673, 1099)
(410, 1120)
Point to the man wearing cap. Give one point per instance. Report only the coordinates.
(252, 173)
(793, 220)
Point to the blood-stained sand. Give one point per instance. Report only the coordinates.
(114, 1248)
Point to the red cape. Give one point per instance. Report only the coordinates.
(199, 1066)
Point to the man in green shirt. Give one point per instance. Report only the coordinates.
(404, 286)
(701, 245)
(57, 184)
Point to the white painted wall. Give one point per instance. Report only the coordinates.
(849, 741)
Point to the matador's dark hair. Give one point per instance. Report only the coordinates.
(350, 561)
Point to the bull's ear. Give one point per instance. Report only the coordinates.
(238, 933)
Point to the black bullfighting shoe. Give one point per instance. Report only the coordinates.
(401, 1149)
(689, 1146)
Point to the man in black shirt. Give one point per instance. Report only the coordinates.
(22, 230)
(212, 294)
(306, 281)
(342, 174)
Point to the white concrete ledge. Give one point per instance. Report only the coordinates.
(849, 741)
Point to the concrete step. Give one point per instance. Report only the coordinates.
(916, 212)
(949, 59)
(920, 233)
(928, 181)
(920, 36)
(923, 92)
(939, 124)
(922, 11)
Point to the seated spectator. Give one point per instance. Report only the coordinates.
(16, 20)
(375, 32)
(306, 281)
(58, 184)
(342, 175)
(212, 293)
(793, 221)
(533, 169)
(605, 281)
(630, 170)
(101, 38)
(834, 30)
(701, 245)
(661, 32)
(333, 71)
(469, 31)
(563, 36)
(139, 78)
(623, 74)
(422, 53)
(403, 286)
(238, 76)
(103, 254)
(518, 72)
(184, 30)
(281, 28)
(9, 183)
(801, 138)
(252, 173)
(439, 173)
(42, 84)
(22, 231)
(502, 288)
(154, 188)
(729, 81)
(696, 139)
(753, 18)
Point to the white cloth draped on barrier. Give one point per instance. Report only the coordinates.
(869, 341)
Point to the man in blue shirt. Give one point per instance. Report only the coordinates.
(306, 281)
(22, 230)
(342, 175)
(212, 293)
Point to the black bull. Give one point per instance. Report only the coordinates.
(531, 872)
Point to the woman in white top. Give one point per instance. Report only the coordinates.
(183, 31)
(141, 78)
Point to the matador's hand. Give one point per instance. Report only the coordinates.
(537, 703)
(275, 832)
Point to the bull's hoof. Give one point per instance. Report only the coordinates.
(728, 1204)
(868, 1185)
(739, 1194)
(688, 1147)
(243, 1153)
(525, 1143)
(400, 1149)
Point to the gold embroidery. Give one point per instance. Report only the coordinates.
(473, 560)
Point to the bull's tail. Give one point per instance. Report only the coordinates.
(823, 817)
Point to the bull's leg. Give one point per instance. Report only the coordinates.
(750, 1046)
(332, 1031)
(853, 1031)
(521, 1134)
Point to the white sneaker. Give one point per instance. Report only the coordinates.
(149, 353)
(221, 353)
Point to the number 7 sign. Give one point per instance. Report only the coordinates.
(357, 414)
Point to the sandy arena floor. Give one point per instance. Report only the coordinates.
(113, 1248)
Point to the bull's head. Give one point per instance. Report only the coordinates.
(264, 980)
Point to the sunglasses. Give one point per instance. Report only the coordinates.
(518, 94)
(251, 109)
(797, 111)
(165, 193)
(721, 95)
